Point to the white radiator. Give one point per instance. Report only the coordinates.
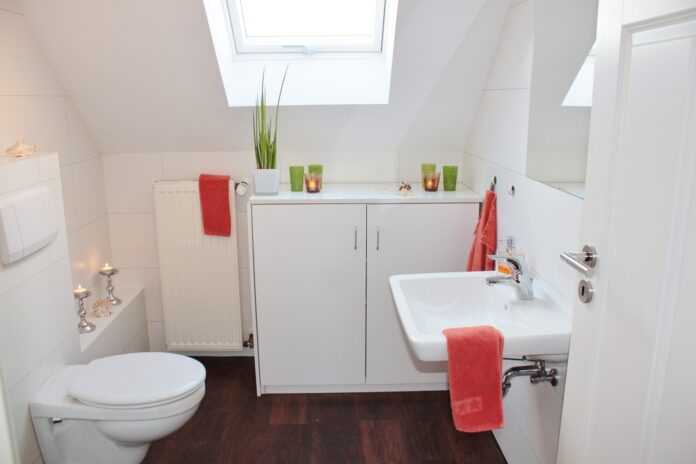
(200, 282)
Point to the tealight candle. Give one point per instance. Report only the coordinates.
(313, 182)
(83, 326)
(80, 291)
(109, 271)
(431, 181)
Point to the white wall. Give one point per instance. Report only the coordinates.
(38, 330)
(38, 319)
(545, 221)
(129, 178)
(35, 107)
(7, 442)
(145, 75)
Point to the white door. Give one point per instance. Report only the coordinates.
(405, 239)
(309, 271)
(631, 387)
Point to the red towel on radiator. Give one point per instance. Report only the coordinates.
(475, 376)
(485, 236)
(214, 192)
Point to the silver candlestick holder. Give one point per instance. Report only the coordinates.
(83, 326)
(108, 272)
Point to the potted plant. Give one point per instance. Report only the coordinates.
(266, 174)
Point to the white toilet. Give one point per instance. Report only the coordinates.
(110, 410)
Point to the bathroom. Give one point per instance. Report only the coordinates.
(294, 336)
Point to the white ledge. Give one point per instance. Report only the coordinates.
(112, 323)
(367, 193)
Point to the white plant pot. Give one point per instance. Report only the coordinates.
(266, 181)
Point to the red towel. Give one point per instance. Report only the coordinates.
(485, 237)
(475, 377)
(214, 192)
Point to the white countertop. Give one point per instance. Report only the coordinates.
(367, 193)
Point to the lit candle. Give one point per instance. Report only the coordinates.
(80, 291)
(313, 182)
(107, 267)
(431, 181)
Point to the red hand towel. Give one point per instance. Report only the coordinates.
(214, 192)
(485, 236)
(475, 376)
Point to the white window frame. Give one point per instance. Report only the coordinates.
(307, 44)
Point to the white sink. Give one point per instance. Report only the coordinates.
(429, 303)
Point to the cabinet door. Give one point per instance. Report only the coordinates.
(407, 239)
(309, 270)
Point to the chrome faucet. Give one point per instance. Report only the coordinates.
(519, 276)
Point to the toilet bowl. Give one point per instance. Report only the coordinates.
(110, 410)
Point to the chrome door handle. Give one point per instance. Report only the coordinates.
(584, 261)
(355, 237)
(378, 238)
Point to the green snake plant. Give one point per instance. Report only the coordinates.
(265, 129)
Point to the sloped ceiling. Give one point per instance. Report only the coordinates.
(145, 78)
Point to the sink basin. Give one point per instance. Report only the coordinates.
(429, 303)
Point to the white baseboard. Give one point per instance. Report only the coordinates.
(246, 352)
(362, 388)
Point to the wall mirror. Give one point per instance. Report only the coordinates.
(561, 93)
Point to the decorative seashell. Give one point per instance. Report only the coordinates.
(405, 189)
(102, 307)
(19, 148)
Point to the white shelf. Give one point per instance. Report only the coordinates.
(127, 295)
(367, 193)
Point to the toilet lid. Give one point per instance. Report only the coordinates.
(137, 380)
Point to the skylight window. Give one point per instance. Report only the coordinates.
(580, 91)
(338, 52)
(307, 26)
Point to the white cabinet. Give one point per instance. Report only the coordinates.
(408, 239)
(324, 315)
(309, 270)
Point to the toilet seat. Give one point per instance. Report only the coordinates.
(53, 400)
(137, 380)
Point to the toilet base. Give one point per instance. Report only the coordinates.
(79, 441)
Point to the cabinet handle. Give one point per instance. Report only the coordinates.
(355, 237)
(377, 238)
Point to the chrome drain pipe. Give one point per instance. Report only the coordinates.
(537, 373)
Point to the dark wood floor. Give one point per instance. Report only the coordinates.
(233, 425)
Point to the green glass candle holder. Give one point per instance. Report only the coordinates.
(317, 169)
(427, 168)
(449, 181)
(296, 178)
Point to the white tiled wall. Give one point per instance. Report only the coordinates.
(38, 321)
(7, 451)
(37, 315)
(544, 220)
(34, 107)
